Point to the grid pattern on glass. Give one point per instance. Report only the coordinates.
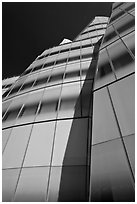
(109, 158)
(121, 59)
(15, 149)
(32, 185)
(40, 145)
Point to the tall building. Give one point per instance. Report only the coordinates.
(68, 120)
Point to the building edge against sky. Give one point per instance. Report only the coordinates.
(68, 120)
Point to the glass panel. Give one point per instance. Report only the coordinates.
(128, 6)
(17, 86)
(110, 174)
(9, 180)
(66, 46)
(28, 83)
(42, 79)
(5, 137)
(15, 149)
(125, 25)
(86, 51)
(13, 111)
(40, 145)
(56, 76)
(49, 104)
(84, 36)
(101, 31)
(104, 122)
(74, 53)
(29, 110)
(129, 40)
(73, 184)
(85, 70)
(123, 96)
(75, 44)
(104, 74)
(51, 58)
(122, 61)
(94, 40)
(32, 185)
(62, 56)
(130, 147)
(110, 36)
(86, 42)
(72, 135)
(116, 15)
(72, 72)
(54, 184)
(5, 106)
(93, 33)
(69, 105)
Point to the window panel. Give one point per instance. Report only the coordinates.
(104, 73)
(94, 40)
(100, 31)
(9, 180)
(72, 72)
(62, 56)
(32, 185)
(104, 122)
(73, 185)
(86, 51)
(130, 147)
(69, 104)
(42, 79)
(125, 25)
(129, 40)
(123, 96)
(84, 36)
(110, 36)
(66, 46)
(5, 137)
(86, 42)
(49, 104)
(13, 111)
(128, 6)
(28, 83)
(15, 149)
(30, 108)
(40, 145)
(56, 76)
(116, 15)
(72, 135)
(111, 179)
(75, 44)
(54, 184)
(17, 87)
(51, 58)
(121, 59)
(5, 106)
(74, 53)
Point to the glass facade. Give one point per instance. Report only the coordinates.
(68, 120)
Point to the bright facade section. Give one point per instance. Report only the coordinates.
(68, 121)
(113, 125)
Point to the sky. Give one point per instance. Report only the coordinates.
(29, 28)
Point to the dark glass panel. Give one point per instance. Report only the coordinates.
(111, 179)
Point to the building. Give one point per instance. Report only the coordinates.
(6, 83)
(68, 121)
